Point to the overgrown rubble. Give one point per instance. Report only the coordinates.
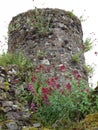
(14, 115)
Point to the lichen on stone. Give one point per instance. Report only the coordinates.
(91, 121)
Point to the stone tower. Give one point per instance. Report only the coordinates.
(50, 37)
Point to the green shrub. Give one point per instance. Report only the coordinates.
(88, 44)
(11, 59)
(76, 57)
(88, 69)
(41, 24)
(52, 101)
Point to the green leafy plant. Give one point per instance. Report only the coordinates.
(24, 96)
(52, 102)
(71, 14)
(74, 105)
(88, 70)
(41, 55)
(11, 59)
(2, 116)
(40, 22)
(14, 27)
(88, 44)
(6, 59)
(76, 57)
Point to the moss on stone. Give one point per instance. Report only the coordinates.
(90, 122)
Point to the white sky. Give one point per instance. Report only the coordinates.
(87, 8)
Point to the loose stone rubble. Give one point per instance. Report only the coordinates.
(14, 114)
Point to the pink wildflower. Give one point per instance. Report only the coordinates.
(46, 99)
(62, 68)
(68, 86)
(34, 78)
(51, 89)
(39, 68)
(31, 87)
(77, 75)
(33, 106)
(45, 90)
(58, 85)
(51, 82)
(48, 69)
(75, 72)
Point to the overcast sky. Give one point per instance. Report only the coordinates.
(87, 8)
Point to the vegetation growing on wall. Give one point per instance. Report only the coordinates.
(53, 104)
(35, 91)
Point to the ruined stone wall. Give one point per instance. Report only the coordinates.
(50, 37)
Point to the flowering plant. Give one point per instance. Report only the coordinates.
(52, 100)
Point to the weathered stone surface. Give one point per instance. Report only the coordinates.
(12, 126)
(11, 109)
(51, 37)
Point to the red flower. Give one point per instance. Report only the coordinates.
(33, 106)
(68, 86)
(51, 89)
(34, 78)
(62, 68)
(53, 78)
(62, 91)
(77, 74)
(58, 85)
(46, 99)
(48, 69)
(51, 82)
(45, 90)
(39, 68)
